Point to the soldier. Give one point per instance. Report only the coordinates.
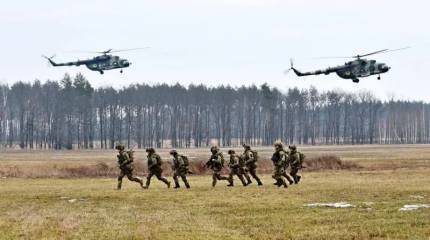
(180, 168)
(295, 159)
(154, 167)
(125, 163)
(236, 168)
(251, 158)
(279, 158)
(216, 163)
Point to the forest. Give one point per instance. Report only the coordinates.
(71, 114)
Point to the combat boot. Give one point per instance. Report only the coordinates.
(243, 181)
(284, 184)
(141, 183)
(298, 178)
(177, 185)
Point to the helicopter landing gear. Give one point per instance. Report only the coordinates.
(120, 71)
(101, 72)
(355, 80)
(379, 77)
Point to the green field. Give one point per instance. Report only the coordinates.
(91, 208)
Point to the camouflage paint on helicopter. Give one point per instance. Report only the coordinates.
(99, 63)
(353, 70)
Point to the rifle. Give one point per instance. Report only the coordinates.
(208, 163)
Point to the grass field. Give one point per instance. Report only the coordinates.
(91, 208)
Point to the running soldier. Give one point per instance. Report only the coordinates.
(180, 168)
(236, 168)
(295, 160)
(250, 157)
(154, 167)
(216, 163)
(125, 164)
(280, 159)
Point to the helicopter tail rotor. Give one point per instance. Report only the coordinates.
(291, 67)
(50, 60)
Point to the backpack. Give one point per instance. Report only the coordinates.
(186, 161)
(222, 159)
(301, 158)
(255, 154)
(130, 154)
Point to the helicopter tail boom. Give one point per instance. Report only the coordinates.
(298, 73)
(301, 74)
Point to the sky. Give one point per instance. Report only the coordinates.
(213, 42)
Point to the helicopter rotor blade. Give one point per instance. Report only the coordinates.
(364, 55)
(126, 50)
(332, 57)
(372, 53)
(110, 50)
(287, 71)
(383, 51)
(48, 58)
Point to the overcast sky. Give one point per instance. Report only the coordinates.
(236, 42)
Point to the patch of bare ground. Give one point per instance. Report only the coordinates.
(329, 162)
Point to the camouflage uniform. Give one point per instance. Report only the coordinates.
(236, 168)
(154, 167)
(295, 163)
(280, 159)
(216, 164)
(180, 168)
(126, 167)
(251, 165)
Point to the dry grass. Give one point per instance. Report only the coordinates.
(102, 163)
(41, 208)
(384, 179)
(103, 169)
(329, 162)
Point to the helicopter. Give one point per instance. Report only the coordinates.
(100, 63)
(358, 68)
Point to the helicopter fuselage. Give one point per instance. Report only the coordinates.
(100, 63)
(353, 70)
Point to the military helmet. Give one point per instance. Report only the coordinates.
(246, 146)
(231, 151)
(119, 147)
(292, 147)
(278, 144)
(173, 152)
(150, 150)
(214, 148)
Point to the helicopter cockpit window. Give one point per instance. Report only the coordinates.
(372, 61)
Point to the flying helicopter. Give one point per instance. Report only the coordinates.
(355, 69)
(100, 63)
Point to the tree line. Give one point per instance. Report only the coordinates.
(71, 114)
